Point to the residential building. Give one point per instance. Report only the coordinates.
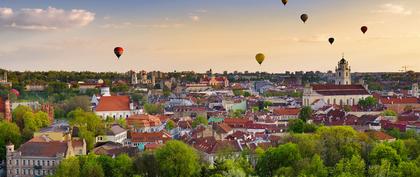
(144, 123)
(115, 133)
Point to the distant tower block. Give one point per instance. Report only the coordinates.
(134, 80)
(343, 73)
(415, 90)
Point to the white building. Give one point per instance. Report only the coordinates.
(115, 134)
(342, 93)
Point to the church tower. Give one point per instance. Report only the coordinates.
(342, 73)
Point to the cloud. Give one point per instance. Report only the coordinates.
(125, 25)
(44, 19)
(393, 9)
(195, 18)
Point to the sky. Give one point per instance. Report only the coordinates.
(196, 35)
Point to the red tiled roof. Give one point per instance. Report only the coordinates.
(43, 149)
(224, 128)
(286, 111)
(154, 137)
(114, 103)
(330, 89)
(395, 100)
(379, 135)
(143, 120)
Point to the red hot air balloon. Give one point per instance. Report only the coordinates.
(118, 51)
(304, 17)
(331, 40)
(364, 29)
(16, 92)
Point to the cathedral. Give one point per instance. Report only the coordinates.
(343, 92)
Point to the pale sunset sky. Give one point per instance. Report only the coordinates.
(197, 35)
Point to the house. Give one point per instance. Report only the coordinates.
(55, 133)
(234, 104)
(209, 147)
(113, 149)
(114, 107)
(115, 134)
(380, 136)
(286, 114)
(334, 94)
(144, 123)
(140, 140)
(399, 104)
(40, 156)
(215, 81)
(190, 111)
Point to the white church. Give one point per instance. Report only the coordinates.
(343, 92)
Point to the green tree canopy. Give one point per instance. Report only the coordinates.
(177, 159)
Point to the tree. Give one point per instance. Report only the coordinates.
(9, 133)
(82, 102)
(275, 158)
(338, 142)
(305, 113)
(68, 168)
(353, 167)
(153, 109)
(389, 112)
(296, 125)
(368, 102)
(92, 169)
(384, 152)
(200, 120)
(177, 159)
(170, 125)
(381, 170)
(247, 94)
(123, 166)
(18, 113)
(316, 168)
(408, 169)
(146, 164)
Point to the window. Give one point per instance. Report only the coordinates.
(24, 162)
(48, 163)
(17, 171)
(17, 162)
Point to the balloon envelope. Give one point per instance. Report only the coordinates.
(364, 29)
(260, 58)
(331, 40)
(118, 51)
(16, 92)
(284, 1)
(304, 17)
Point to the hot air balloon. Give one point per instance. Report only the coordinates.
(284, 1)
(260, 58)
(331, 40)
(364, 29)
(118, 51)
(304, 17)
(16, 92)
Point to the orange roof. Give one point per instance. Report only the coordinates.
(143, 120)
(379, 135)
(286, 111)
(114, 103)
(224, 128)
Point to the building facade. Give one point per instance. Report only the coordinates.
(343, 73)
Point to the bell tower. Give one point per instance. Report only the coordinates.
(343, 73)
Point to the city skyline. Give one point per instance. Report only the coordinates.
(187, 35)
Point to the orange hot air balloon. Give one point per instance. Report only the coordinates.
(260, 58)
(331, 40)
(284, 1)
(118, 51)
(304, 17)
(364, 29)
